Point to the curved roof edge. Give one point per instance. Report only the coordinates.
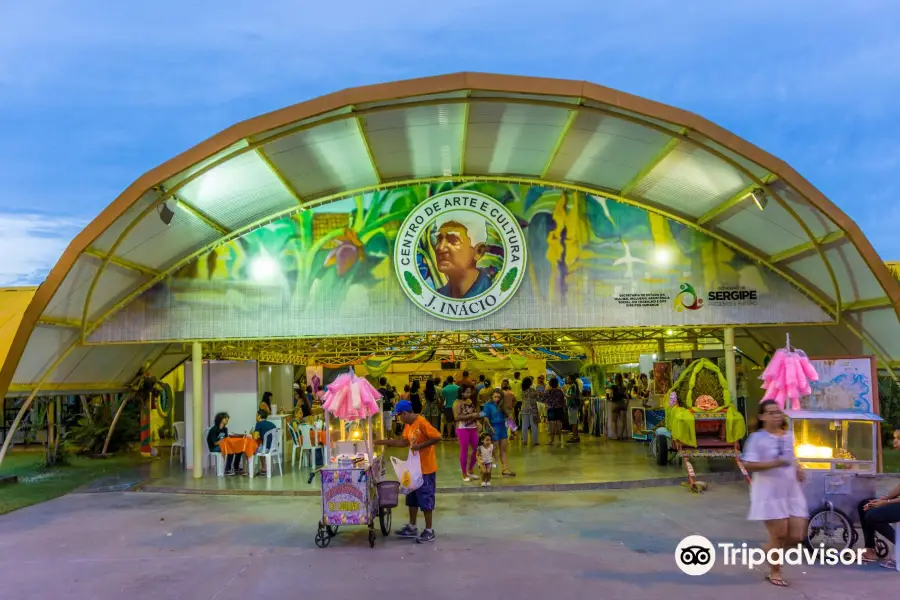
(419, 87)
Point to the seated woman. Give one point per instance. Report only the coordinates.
(217, 433)
(879, 514)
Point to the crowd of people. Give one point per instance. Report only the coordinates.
(465, 410)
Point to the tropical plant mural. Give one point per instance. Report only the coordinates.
(336, 259)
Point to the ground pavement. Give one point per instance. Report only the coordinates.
(610, 544)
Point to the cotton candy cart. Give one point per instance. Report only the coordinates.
(838, 451)
(354, 490)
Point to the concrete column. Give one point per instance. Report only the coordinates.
(730, 368)
(197, 407)
(660, 349)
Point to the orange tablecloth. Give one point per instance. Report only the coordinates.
(239, 445)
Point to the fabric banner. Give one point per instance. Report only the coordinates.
(471, 256)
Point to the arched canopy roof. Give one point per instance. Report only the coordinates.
(463, 126)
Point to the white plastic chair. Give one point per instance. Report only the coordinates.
(309, 443)
(272, 441)
(177, 441)
(211, 457)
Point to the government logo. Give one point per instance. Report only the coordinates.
(460, 255)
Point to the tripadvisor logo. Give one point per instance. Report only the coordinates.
(460, 255)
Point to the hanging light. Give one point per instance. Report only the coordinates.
(759, 197)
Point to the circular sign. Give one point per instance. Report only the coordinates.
(460, 255)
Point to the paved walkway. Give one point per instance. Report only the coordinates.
(616, 544)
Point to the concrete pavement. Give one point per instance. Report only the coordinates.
(612, 544)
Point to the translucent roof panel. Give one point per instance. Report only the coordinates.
(417, 141)
(817, 222)
(154, 244)
(512, 139)
(68, 301)
(690, 181)
(605, 151)
(44, 347)
(412, 100)
(172, 183)
(884, 323)
(772, 229)
(856, 280)
(239, 192)
(324, 159)
(103, 364)
(109, 236)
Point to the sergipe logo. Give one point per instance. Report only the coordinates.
(687, 298)
(695, 555)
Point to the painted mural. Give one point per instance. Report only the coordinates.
(592, 262)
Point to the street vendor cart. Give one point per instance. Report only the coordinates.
(702, 420)
(838, 451)
(354, 488)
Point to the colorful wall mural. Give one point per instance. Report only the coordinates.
(592, 262)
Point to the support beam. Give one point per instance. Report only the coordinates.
(573, 116)
(800, 249)
(463, 140)
(213, 224)
(871, 303)
(279, 175)
(197, 408)
(365, 141)
(121, 262)
(727, 205)
(54, 322)
(653, 162)
(730, 363)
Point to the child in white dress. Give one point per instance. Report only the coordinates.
(776, 496)
(486, 459)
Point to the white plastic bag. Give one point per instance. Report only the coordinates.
(409, 472)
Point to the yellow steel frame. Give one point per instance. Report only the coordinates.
(660, 156)
(121, 262)
(210, 222)
(801, 249)
(567, 106)
(464, 136)
(869, 304)
(361, 128)
(731, 202)
(260, 151)
(570, 121)
(56, 322)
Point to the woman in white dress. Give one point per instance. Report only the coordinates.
(776, 497)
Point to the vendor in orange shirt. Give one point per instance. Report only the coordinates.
(420, 436)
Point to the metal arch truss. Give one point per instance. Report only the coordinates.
(606, 346)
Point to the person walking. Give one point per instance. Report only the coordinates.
(433, 408)
(465, 415)
(509, 403)
(415, 397)
(776, 497)
(387, 406)
(556, 402)
(530, 397)
(496, 414)
(573, 406)
(618, 399)
(449, 395)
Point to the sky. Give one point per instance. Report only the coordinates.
(93, 94)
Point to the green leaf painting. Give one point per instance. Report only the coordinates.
(413, 284)
(509, 279)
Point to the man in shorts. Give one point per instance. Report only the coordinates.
(420, 436)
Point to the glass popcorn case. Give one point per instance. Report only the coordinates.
(835, 440)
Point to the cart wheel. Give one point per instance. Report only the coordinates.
(372, 537)
(661, 445)
(384, 519)
(332, 530)
(833, 528)
(881, 548)
(322, 537)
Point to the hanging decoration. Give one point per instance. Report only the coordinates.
(787, 376)
(349, 397)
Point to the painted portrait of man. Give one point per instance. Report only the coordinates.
(460, 242)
